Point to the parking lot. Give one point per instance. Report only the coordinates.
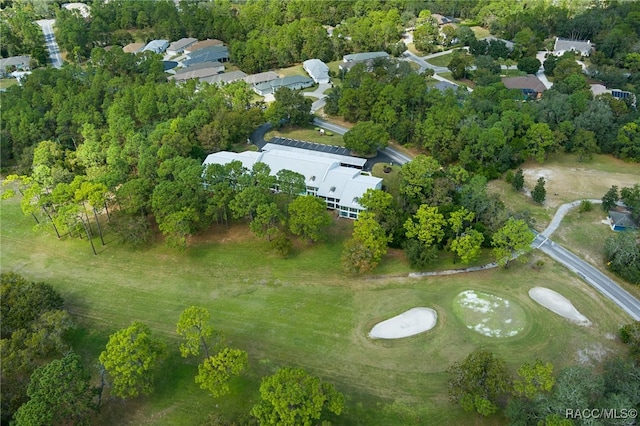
(311, 146)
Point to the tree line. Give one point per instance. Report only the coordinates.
(46, 383)
(481, 383)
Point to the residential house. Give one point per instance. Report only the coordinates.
(340, 187)
(156, 46)
(134, 47)
(224, 78)
(83, 9)
(177, 47)
(364, 56)
(207, 54)
(507, 43)
(317, 70)
(294, 82)
(444, 85)
(202, 44)
(562, 45)
(530, 85)
(14, 63)
(201, 70)
(621, 221)
(261, 77)
(599, 89)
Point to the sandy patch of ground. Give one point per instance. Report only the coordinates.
(573, 183)
(592, 354)
(489, 314)
(408, 323)
(558, 304)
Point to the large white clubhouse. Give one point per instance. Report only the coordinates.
(337, 179)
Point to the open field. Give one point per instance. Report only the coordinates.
(294, 70)
(440, 61)
(300, 312)
(567, 180)
(305, 134)
(7, 82)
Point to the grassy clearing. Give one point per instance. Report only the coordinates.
(440, 61)
(481, 32)
(294, 70)
(308, 134)
(8, 82)
(300, 311)
(512, 73)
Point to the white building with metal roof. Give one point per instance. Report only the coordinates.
(317, 70)
(341, 187)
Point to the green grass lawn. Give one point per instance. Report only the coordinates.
(8, 82)
(308, 134)
(440, 61)
(481, 32)
(294, 70)
(300, 311)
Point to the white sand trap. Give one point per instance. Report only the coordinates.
(558, 304)
(408, 323)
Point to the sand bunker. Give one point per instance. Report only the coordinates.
(408, 323)
(558, 304)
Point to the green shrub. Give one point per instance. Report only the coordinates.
(585, 206)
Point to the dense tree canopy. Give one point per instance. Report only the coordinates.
(59, 394)
(130, 359)
(292, 397)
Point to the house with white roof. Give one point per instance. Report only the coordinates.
(83, 9)
(317, 70)
(156, 46)
(325, 177)
(177, 47)
(563, 45)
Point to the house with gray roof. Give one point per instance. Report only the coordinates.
(364, 56)
(200, 71)
(293, 82)
(14, 63)
(317, 70)
(444, 85)
(621, 221)
(224, 78)
(177, 47)
(340, 187)
(207, 54)
(156, 46)
(563, 45)
(261, 77)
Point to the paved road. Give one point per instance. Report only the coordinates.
(584, 270)
(591, 275)
(50, 40)
(422, 63)
(387, 155)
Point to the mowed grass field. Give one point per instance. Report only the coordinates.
(302, 311)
